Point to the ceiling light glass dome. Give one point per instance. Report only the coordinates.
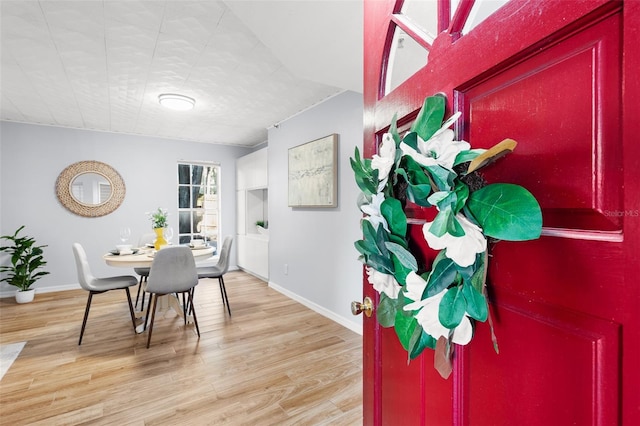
(176, 102)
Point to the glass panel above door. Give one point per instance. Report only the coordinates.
(406, 57)
(480, 11)
(424, 14)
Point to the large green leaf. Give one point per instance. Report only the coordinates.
(369, 234)
(478, 278)
(361, 246)
(370, 251)
(391, 210)
(367, 246)
(506, 212)
(476, 303)
(404, 326)
(400, 271)
(419, 183)
(465, 272)
(386, 311)
(366, 178)
(442, 274)
(366, 183)
(462, 195)
(381, 239)
(452, 308)
(380, 263)
(446, 222)
(418, 194)
(403, 255)
(411, 139)
(415, 173)
(429, 119)
(393, 129)
(442, 199)
(442, 178)
(398, 240)
(419, 341)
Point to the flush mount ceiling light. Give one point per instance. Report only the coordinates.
(176, 102)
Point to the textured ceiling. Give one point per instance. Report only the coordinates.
(101, 65)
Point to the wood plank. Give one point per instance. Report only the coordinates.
(274, 362)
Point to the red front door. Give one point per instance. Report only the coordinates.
(561, 78)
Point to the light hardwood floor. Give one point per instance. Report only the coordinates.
(274, 362)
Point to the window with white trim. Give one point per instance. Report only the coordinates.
(198, 202)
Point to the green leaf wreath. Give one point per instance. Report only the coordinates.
(429, 168)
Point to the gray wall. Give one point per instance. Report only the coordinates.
(317, 244)
(32, 157)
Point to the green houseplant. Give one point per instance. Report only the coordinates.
(158, 218)
(158, 223)
(262, 226)
(26, 261)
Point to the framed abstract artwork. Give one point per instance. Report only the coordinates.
(313, 173)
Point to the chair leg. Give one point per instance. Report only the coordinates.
(190, 304)
(184, 309)
(139, 288)
(146, 316)
(223, 290)
(133, 316)
(86, 315)
(143, 293)
(193, 311)
(154, 298)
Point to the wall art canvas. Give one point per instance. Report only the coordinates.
(313, 177)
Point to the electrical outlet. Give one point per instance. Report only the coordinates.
(286, 269)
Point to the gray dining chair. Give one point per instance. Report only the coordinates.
(173, 271)
(100, 285)
(147, 238)
(218, 270)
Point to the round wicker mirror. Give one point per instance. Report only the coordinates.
(90, 188)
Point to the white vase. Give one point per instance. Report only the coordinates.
(25, 296)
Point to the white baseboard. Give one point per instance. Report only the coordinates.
(353, 326)
(260, 277)
(64, 287)
(48, 289)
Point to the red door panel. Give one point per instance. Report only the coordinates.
(404, 386)
(564, 105)
(555, 367)
(559, 77)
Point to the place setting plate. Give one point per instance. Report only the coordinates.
(117, 253)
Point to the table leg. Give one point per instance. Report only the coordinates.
(164, 303)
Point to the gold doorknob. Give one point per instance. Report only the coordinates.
(366, 306)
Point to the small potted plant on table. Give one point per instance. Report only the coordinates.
(158, 224)
(26, 259)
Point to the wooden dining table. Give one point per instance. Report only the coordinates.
(143, 258)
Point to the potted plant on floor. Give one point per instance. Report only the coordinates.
(26, 260)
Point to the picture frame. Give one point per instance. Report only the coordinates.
(313, 173)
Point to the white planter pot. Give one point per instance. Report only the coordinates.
(25, 296)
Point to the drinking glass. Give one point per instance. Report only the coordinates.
(168, 233)
(125, 233)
